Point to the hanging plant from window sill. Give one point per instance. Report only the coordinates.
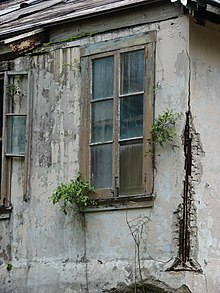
(163, 129)
(73, 195)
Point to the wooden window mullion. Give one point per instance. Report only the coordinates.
(85, 125)
(28, 142)
(5, 200)
(116, 122)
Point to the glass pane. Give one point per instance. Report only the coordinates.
(131, 117)
(101, 166)
(132, 72)
(103, 78)
(16, 135)
(101, 125)
(17, 93)
(131, 169)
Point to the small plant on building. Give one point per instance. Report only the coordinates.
(163, 129)
(12, 90)
(73, 195)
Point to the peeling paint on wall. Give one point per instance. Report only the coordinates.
(49, 251)
(186, 215)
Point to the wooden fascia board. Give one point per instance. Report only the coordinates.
(22, 36)
(23, 43)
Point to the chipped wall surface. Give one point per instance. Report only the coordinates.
(205, 92)
(51, 252)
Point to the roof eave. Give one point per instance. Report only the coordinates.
(75, 16)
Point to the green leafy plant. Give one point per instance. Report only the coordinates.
(74, 194)
(163, 130)
(12, 89)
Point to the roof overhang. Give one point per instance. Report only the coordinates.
(203, 10)
(11, 26)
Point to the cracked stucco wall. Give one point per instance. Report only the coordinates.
(205, 92)
(51, 252)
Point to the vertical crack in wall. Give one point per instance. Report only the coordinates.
(186, 214)
(186, 234)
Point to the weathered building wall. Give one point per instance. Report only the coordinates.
(40, 244)
(205, 92)
(51, 252)
(108, 231)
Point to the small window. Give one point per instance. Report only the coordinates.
(117, 114)
(15, 121)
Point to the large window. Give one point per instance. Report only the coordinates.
(117, 113)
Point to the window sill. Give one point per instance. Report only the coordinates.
(122, 203)
(5, 212)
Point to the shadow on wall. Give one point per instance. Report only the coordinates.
(148, 286)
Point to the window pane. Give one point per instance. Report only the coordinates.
(16, 90)
(131, 117)
(131, 169)
(16, 135)
(103, 78)
(101, 126)
(132, 72)
(101, 166)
